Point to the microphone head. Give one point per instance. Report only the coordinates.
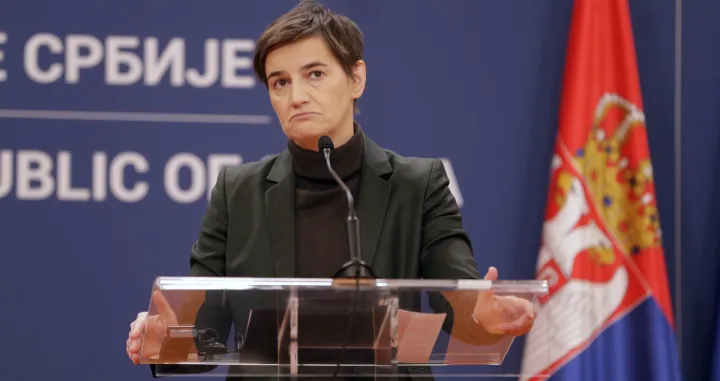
(325, 142)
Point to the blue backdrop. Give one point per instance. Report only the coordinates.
(115, 117)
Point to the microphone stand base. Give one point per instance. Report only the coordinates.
(355, 269)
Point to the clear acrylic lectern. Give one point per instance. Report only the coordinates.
(320, 328)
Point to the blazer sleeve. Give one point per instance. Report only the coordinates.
(446, 248)
(447, 254)
(207, 259)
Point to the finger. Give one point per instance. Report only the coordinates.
(516, 306)
(135, 359)
(530, 309)
(522, 326)
(164, 309)
(518, 325)
(137, 326)
(134, 346)
(492, 273)
(521, 330)
(519, 306)
(134, 335)
(138, 329)
(129, 345)
(134, 328)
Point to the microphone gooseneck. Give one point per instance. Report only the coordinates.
(348, 194)
(356, 268)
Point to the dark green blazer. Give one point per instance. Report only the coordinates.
(410, 226)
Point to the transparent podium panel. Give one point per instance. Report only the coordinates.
(323, 328)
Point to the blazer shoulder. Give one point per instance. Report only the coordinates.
(413, 168)
(238, 174)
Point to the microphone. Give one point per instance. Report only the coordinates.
(355, 267)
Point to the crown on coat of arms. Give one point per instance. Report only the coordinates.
(619, 182)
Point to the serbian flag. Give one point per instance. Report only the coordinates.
(608, 315)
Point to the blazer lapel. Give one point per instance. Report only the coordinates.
(280, 209)
(373, 196)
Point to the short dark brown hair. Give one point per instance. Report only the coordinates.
(310, 18)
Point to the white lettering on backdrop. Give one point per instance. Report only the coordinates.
(128, 60)
(33, 175)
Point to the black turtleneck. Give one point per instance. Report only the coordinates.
(321, 238)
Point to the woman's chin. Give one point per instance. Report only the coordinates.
(306, 140)
(306, 133)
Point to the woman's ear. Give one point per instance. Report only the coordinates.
(359, 78)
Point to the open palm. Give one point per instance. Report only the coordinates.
(503, 314)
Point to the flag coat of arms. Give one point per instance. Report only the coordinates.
(608, 315)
